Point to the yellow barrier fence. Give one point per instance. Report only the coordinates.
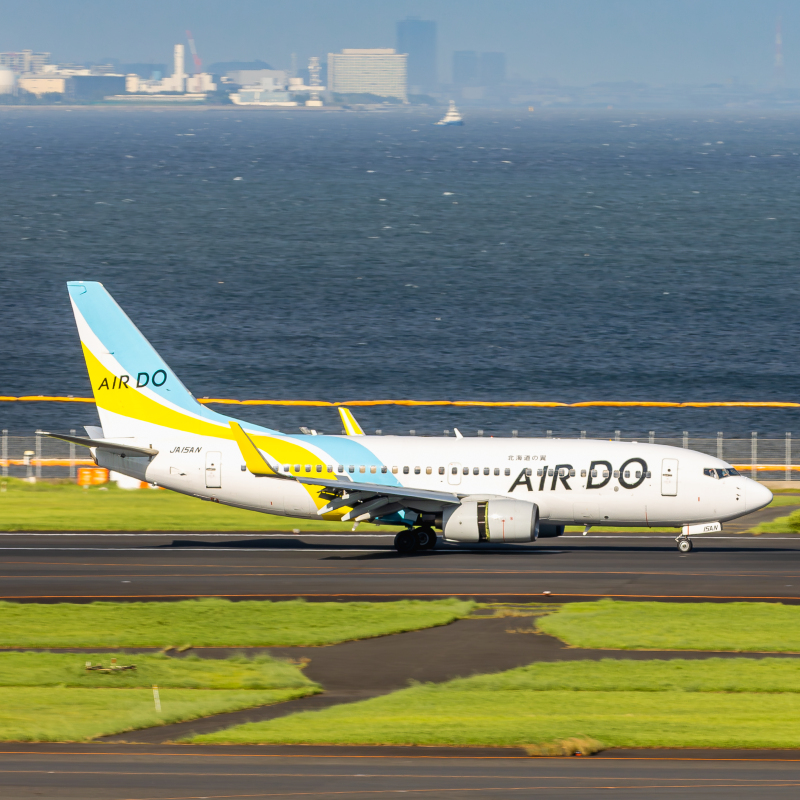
(456, 403)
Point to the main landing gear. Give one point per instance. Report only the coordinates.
(684, 544)
(407, 542)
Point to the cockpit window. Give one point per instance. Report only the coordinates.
(717, 474)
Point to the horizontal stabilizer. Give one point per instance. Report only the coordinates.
(124, 450)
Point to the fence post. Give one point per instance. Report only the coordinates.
(480, 433)
(686, 440)
(5, 452)
(652, 437)
(583, 434)
(549, 434)
(72, 456)
(616, 436)
(753, 454)
(38, 454)
(788, 455)
(719, 445)
(514, 433)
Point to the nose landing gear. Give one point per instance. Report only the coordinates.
(684, 544)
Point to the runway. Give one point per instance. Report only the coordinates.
(152, 772)
(96, 566)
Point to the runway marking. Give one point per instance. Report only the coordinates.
(192, 753)
(401, 595)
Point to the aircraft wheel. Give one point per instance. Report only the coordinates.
(426, 538)
(406, 542)
(685, 545)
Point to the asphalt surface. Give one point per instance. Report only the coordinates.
(94, 566)
(159, 772)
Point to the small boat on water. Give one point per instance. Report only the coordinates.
(452, 117)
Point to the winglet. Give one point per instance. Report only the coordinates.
(351, 427)
(253, 458)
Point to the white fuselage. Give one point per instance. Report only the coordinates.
(573, 481)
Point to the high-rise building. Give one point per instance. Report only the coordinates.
(465, 68)
(493, 69)
(25, 61)
(380, 72)
(417, 39)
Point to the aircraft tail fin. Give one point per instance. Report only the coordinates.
(133, 386)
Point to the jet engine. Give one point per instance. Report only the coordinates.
(493, 520)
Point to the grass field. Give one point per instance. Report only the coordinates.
(67, 507)
(190, 672)
(51, 697)
(708, 703)
(759, 627)
(787, 524)
(215, 622)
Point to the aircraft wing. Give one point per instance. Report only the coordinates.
(124, 450)
(352, 428)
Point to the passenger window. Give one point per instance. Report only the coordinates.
(441, 470)
(454, 470)
(497, 470)
(394, 470)
(605, 473)
(508, 470)
(572, 473)
(308, 467)
(466, 470)
(286, 468)
(616, 473)
(373, 469)
(351, 468)
(638, 474)
(649, 474)
(476, 471)
(297, 468)
(319, 467)
(416, 470)
(405, 470)
(539, 472)
(383, 470)
(362, 469)
(627, 473)
(428, 470)
(583, 473)
(486, 470)
(550, 472)
(528, 471)
(330, 467)
(340, 468)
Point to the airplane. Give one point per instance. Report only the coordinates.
(476, 491)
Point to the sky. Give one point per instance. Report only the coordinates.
(574, 42)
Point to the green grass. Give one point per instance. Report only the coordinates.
(216, 623)
(706, 703)
(787, 524)
(189, 672)
(623, 625)
(52, 697)
(67, 507)
(58, 714)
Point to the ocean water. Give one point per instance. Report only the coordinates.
(537, 256)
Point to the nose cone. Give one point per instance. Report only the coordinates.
(756, 496)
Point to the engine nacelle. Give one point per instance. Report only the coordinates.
(500, 520)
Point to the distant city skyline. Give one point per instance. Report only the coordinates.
(573, 42)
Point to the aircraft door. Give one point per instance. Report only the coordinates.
(669, 477)
(213, 470)
(454, 474)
